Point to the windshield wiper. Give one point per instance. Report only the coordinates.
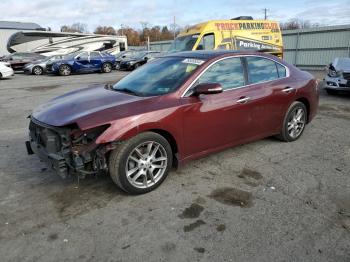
(128, 91)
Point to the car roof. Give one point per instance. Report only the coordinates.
(205, 54)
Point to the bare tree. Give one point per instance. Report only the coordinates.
(75, 28)
(105, 30)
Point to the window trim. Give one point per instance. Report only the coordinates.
(245, 70)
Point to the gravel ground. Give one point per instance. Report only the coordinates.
(264, 201)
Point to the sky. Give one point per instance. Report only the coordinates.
(55, 13)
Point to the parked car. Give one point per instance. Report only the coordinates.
(5, 70)
(39, 67)
(338, 75)
(137, 59)
(123, 55)
(19, 60)
(82, 62)
(176, 108)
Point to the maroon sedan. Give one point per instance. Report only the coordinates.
(176, 108)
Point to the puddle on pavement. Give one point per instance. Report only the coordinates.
(221, 228)
(192, 212)
(92, 193)
(199, 249)
(251, 177)
(42, 88)
(232, 196)
(194, 225)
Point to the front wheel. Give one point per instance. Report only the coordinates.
(141, 164)
(64, 70)
(106, 68)
(37, 70)
(294, 122)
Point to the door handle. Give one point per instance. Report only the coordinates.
(288, 90)
(243, 100)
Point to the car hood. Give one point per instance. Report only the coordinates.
(87, 107)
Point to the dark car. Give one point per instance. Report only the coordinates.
(176, 108)
(137, 59)
(82, 62)
(19, 60)
(123, 55)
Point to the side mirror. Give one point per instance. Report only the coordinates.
(146, 58)
(207, 89)
(78, 58)
(123, 56)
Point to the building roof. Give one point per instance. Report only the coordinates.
(19, 25)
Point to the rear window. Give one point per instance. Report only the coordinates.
(261, 70)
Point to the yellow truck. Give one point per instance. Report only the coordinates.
(241, 33)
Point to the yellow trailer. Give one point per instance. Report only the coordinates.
(241, 33)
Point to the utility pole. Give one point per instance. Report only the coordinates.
(174, 28)
(265, 12)
(122, 29)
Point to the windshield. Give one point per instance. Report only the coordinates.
(159, 77)
(71, 56)
(184, 43)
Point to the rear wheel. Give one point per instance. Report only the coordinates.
(141, 164)
(331, 92)
(294, 122)
(64, 70)
(106, 68)
(37, 70)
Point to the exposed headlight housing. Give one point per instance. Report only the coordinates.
(333, 73)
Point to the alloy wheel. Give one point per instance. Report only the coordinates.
(37, 70)
(296, 122)
(146, 164)
(107, 68)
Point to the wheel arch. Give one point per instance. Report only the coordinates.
(171, 140)
(306, 102)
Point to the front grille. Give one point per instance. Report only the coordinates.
(346, 76)
(45, 137)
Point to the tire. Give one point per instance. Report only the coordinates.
(292, 129)
(64, 70)
(136, 66)
(121, 161)
(106, 68)
(37, 70)
(331, 92)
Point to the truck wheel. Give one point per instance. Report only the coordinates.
(141, 164)
(294, 122)
(64, 70)
(106, 68)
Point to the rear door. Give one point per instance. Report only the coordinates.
(95, 61)
(268, 92)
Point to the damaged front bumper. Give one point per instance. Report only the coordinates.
(62, 152)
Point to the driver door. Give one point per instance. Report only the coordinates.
(82, 62)
(217, 120)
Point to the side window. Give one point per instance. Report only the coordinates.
(261, 69)
(281, 71)
(95, 55)
(207, 42)
(83, 56)
(227, 72)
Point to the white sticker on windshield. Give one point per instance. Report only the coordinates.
(193, 61)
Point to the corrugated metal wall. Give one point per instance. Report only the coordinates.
(306, 48)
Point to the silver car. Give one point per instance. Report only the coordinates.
(338, 76)
(39, 67)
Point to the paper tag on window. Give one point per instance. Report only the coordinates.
(193, 61)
